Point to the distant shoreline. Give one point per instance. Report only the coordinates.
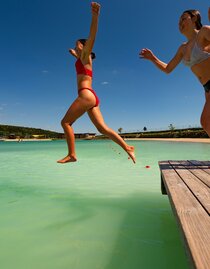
(191, 140)
(26, 140)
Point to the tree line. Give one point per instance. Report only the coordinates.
(26, 132)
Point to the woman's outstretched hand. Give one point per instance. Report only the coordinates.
(73, 52)
(95, 7)
(146, 54)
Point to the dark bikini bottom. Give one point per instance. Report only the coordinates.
(207, 86)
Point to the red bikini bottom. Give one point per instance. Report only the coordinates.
(94, 93)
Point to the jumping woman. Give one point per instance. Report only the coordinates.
(87, 100)
(194, 53)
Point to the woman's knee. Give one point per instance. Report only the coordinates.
(62, 122)
(65, 123)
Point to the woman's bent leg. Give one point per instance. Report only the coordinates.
(76, 110)
(97, 119)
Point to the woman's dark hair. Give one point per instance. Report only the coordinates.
(195, 13)
(83, 41)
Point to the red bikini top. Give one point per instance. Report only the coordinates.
(81, 70)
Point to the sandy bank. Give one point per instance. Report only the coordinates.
(191, 140)
(25, 140)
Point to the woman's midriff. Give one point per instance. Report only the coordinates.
(202, 71)
(84, 82)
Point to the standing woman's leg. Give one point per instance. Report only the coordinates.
(205, 116)
(77, 109)
(97, 119)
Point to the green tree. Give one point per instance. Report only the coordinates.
(120, 130)
(171, 127)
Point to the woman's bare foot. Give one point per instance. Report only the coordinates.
(131, 153)
(67, 159)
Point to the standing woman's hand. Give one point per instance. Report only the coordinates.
(146, 54)
(95, 7)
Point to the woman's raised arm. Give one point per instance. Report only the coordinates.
(95, 7)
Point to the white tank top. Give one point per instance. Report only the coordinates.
(197, 56)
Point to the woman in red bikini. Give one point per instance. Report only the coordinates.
(87, 100)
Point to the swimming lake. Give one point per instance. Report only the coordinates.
(102, 212)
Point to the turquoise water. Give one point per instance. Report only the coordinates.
(102, 212)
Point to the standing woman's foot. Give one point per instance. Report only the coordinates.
(131, 153)
(67, 159)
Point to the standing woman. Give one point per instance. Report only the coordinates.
(195, 53)
(87, 100)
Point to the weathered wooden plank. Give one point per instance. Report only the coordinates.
(196, 162)
(197, 171)
(165, 165)
(192, 218)
(202, 175)
(198, 188)
(200, 169)
(197, 168)
(163, 189)
(205, 165)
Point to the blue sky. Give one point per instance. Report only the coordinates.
(37, 76)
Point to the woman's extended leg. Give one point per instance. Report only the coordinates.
(97, 119)
(205, 116)
(76, 110)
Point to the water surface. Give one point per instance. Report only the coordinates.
(102, 212)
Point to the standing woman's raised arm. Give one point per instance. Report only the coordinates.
(95, 7)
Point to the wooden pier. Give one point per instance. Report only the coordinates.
(187, 184)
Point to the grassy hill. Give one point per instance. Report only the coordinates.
(26, 132)
(177, 133)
